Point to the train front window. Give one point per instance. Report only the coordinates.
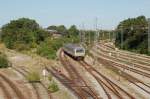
(79, 50)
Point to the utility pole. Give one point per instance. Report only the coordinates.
(82, 34)
(89, 39)
(96, 38)
(109, 37)
(114, 36)
(149, 35)
(121, 37)
(97, 31)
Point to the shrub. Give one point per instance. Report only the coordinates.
(53, 87)
(46, 51)
(22, 34)
(3, 61)
(21, 46)
(33, 77)
(50, 78)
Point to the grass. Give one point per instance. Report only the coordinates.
(53, 87)
(33, 77)
(49, 77)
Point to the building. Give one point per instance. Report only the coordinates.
(54, 33)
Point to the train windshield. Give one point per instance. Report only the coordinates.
(79, 50)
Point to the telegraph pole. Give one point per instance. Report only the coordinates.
(96, 38)
(82, 34)
(97, 32)
(149, 35)
(121, 37)
(114, 36)
(89, 39)
(109, 37)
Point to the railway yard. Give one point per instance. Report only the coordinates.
(109, 73)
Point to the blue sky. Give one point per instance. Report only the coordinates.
(68, 12)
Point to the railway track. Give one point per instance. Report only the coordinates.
(106, 83)
(125, 60)
(141, 64)
(20, 71)
(76, 78)
(140, 58)
(108, 62)
(36, 86)
(76, 89)
(10, 88)
(125, 66)
(4, 91)
(108, 86)
(127, 76)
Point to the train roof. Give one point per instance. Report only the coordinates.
(73, 45)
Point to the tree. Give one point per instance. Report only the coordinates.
(134, 33)
(41, 35)
(22, 32)
(53, 27)
(62, 29)
(73, 31)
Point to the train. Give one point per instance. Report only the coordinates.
(76, 51)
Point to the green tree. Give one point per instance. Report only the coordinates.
(73, 31)
(134, 33)
(53, 27)
(22, 33)
(62, 29)
(41, 35)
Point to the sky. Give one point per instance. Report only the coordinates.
(82, 13)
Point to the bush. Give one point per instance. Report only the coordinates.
(46, 51)
(21, 46)
(49, 48)
(53, 87)
(3, 61)
(22, 34)
(33, 77)
(50, 78)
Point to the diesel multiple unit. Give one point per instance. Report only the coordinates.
(74, 50)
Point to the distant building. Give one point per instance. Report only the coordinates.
(54, 33)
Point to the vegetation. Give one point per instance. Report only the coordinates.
(133, 32)
(50, 46)
(53, 87)
(26, 34)
(22, 34)
(50, 77)
(33, 76)
(3, 61)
